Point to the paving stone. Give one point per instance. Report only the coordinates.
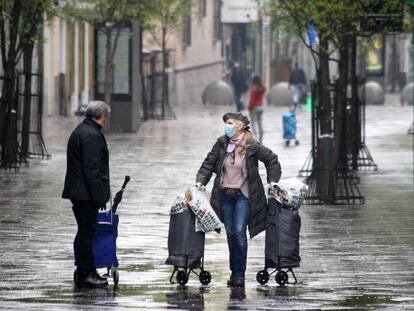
(353, 257)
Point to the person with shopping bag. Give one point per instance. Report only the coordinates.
(238, 195)
(87, 186)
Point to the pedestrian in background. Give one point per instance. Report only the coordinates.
(87, 185)
(255, 106)
(238, 80)
(297, 79)
(238, 196)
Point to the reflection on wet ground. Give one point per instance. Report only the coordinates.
(353, 257)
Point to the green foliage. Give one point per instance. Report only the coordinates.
(165, 15)
(107, 11)
(151, 13)
(170, 12)
(334, 20)
(29, 16)
(32, 18)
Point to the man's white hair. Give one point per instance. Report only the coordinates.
(97, 109)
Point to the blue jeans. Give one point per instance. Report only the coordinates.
(239, 102)
(298, 90)
(256, 116)
(235, 214)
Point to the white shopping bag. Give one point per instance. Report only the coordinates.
(206, 219)
(194, 199)
(290, 192)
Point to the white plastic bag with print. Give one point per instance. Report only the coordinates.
(206, 219)
(178, 205)
(290, 192)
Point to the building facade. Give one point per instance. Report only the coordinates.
(194, 53)
(67, 66)
(242, 35)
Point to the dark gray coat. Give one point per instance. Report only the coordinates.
(87, 171)
(257, 199)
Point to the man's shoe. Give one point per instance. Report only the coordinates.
(238, 282)
(235, 283)
(93, 280)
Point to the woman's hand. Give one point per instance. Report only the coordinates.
(278, 192)
(200, 187)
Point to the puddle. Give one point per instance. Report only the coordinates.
(366, 300)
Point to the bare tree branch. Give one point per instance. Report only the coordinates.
(298, 21)
(19, 52)
(118, 32)
(3, 42)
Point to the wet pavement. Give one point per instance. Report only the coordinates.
(353, 257)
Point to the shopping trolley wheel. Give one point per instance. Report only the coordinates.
(296, 142)
(182, 277)
(262, 277)
(281, 277)
(115, 276)
(204, 277)
(287, 143)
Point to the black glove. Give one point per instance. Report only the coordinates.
(102, 206)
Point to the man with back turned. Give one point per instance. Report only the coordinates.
(87, 186)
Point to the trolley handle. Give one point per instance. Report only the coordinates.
(118, 196)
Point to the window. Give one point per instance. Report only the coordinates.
(122, 63)
(202, 8)
(217, 28)
(187, 30)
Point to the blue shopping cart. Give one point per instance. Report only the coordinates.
(104, 240)
(289, 127)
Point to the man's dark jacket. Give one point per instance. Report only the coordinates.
(238, 79)
(297, 76)
(87, 171)
(257, 199)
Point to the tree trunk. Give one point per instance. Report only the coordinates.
(355, 129)
(142, 76)
(323, 83)
(8, 120)
(9, 142)
(394, 72)
(108, 67)
(164, 78)
(340, 151)
(27, 107)
(325, 173)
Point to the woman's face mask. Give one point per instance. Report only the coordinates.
(229, 130)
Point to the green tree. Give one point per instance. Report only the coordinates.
(110, 15)
(166, 16)
(19, 30)
(144, 11)
(338, 24)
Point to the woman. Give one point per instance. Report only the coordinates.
(238, 195)
(255, 107)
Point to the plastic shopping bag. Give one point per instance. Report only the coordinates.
(206, 219)
(178, 205)
(290, 192)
